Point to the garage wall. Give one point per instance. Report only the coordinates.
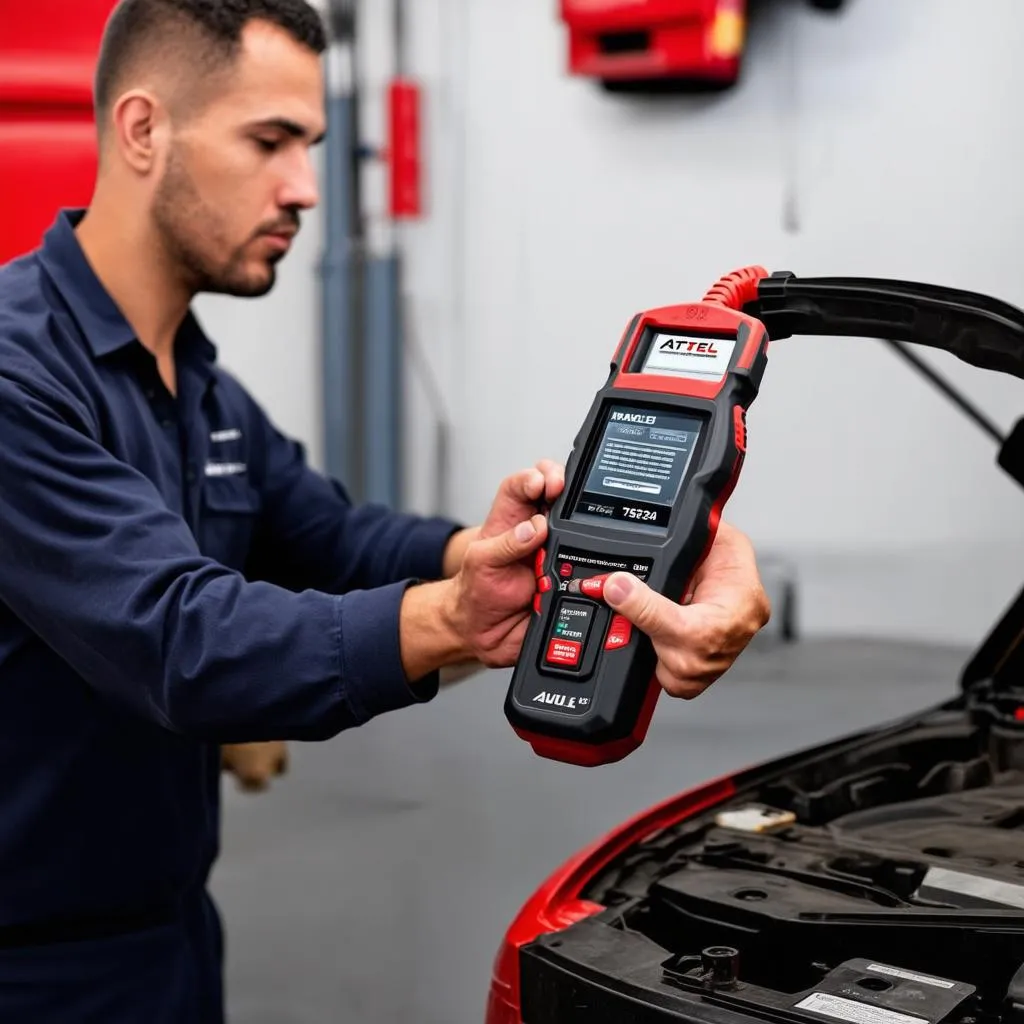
(879, 142)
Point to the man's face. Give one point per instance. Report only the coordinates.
(239, 172)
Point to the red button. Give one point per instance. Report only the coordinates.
(566, 569)
(619, 632)
(536, 603)
(544, 584)
(594, 587)
(740, 425)
(538, 564)
(564, 652)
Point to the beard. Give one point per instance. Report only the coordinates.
(195, 238)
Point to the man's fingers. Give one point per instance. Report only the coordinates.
(698, 639)
(512, 545)
(527, 486)
(254, 764)
(554, 478)
(539, 485)
(645, 608)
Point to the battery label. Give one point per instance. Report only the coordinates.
(855, 1012)
(895, 972)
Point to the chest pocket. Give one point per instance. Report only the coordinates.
(230, 507)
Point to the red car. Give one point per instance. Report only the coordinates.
(873, 879)
(877, 879)
(629, 43)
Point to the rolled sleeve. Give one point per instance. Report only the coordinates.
(370, 652)
(425, 544)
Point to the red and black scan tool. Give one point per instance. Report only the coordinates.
(654, 463)
(657, 458)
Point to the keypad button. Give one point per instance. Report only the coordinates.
(594, 587)
(620, 630)
(570, 629)
(564, 653)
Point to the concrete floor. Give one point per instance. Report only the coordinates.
(373, 884)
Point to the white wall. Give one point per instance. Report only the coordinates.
(897, 121)
(556, 211)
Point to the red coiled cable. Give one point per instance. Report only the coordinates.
(735, 290)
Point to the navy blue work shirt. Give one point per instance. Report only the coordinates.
(172, 576)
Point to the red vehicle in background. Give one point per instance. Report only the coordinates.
(637, 43)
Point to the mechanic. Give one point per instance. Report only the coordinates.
(173, 576)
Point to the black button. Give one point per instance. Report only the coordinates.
(190, 474)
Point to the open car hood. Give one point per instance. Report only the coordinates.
(980, 330)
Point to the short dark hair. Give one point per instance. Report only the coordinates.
(206, 33)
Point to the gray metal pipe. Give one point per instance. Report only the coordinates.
(339, 263)
(383, 378)
(338, 336)
(383, 382)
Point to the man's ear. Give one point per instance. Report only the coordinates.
(138, 126)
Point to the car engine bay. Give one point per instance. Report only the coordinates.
(878, 881)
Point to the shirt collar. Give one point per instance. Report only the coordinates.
(105, 328)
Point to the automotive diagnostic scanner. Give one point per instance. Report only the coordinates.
(655, 461)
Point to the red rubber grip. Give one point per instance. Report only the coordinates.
(735, 290)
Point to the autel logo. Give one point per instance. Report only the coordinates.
(684, 346)
(697, 358)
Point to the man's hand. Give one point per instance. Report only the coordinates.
(254, 764)
(481, 613)
(698, 640)
(492, 596)
(520, 496)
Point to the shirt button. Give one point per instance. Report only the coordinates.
(166, 423)
(190, 474)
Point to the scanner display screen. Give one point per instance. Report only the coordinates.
(637, 469)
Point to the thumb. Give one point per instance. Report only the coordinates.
(515, 544)
(632, 598)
